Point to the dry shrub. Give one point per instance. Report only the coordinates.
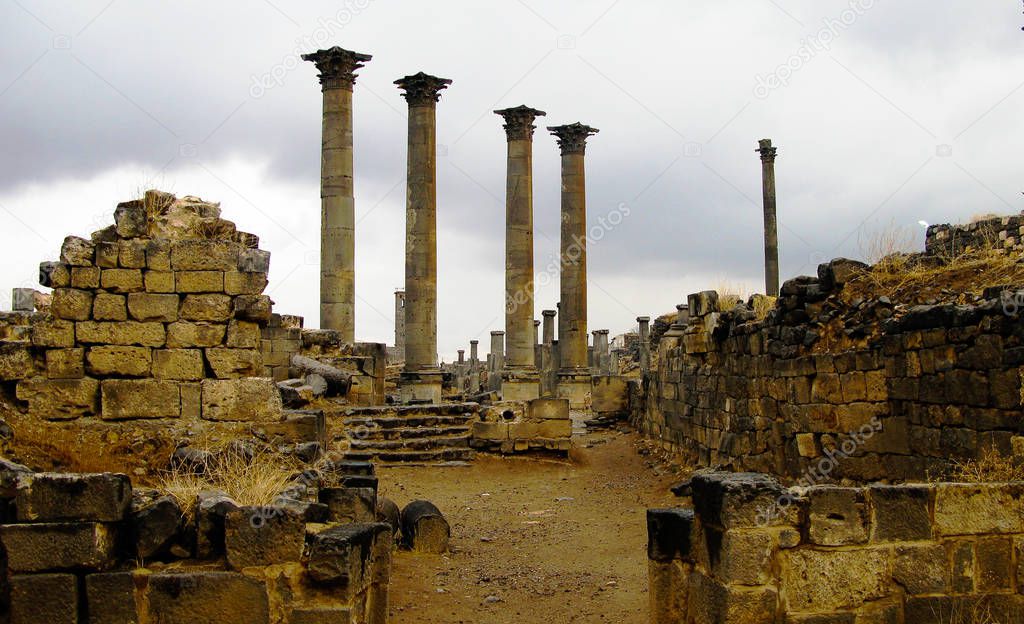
(762, 305)
(214, 229)
(729, 295)
(968, 610)
(991, 467)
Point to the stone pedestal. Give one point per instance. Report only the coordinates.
(337, 199)
(420, 387)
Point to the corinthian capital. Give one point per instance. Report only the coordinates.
(336, 66)
(422, 89)
(572, 138)
(519, 121)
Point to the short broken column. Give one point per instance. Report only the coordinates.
(337, 197)
(424, 528)
(421, 378)
(601, 354)
(574, 376)
(474, 366)
(771, 234)
(497, 361)
(644, 340)
(399, 326)
(520, 380)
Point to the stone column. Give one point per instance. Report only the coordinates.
(549, 326)
(520, 380)
(337, 200)
(421, 378)
(644, 338)
(474, 366)
(536, 333)
(400, 325)
(573, 376)
(771, 234)
(497, 360)
(546, 364)
(601, 355)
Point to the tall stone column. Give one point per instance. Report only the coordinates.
(573, 376)
(548, 370)
(474, 366)
(644, 338)
(421, 378)
(337, 199)
(771, 234)
(497, 360)
(400, 325)
(520, 380)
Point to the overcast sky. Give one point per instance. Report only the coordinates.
(887, 113)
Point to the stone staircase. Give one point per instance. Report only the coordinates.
(412, 433)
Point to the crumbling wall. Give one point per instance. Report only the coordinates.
(863, 389)
(947, 240)
(752, 552)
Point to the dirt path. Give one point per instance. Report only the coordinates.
(532, 541)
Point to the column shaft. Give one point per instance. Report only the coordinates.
(771, 236)
(572, 337)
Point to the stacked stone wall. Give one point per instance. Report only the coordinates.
(752, 552)
(1006, 233)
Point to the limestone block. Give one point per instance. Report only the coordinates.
(424, 528)
(254, 261)
(199, 281)
(140, 398)
(838, 516)
(745, 557)
(828, 580)
(158, 255)
(490, 431)
(994, 559)
(162, 308)
(972, 509)
(900, 512)
(56, 546)
(182, 364)
(343, 555)
(124, 333)
(186, 334)
(121, 280)
(232, 363)
(191, 401)
(255, 308)
(106, 254)
(350, 504)
(204, 255)
(109, 307)
(16, 361)
(158, 281)
(206, 308)
(65, 497)
(547, 409)
(211, 510)
(238, 283)
(130, 219)
(260, 536)
(206, 596)
(86, 278)
(50, 332)
(118, 361)
(739, 500)
(154, 525)
(77, 251)
(669, 534)
(59, 399)
(43, 599)
(921, 568)
(71, 304)
(250, 399)
(132, 254)
(243, 335)
(320, 615)
(111, 598)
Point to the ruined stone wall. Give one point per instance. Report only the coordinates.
(824, 389)
(752, 552)
(993, 232)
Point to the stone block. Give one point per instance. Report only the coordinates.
(85, 278)
(186, 334)
(71, 304)
(920, 568)
(127, 333)
(106, 254)
(424, 528)
(158, 281)
(243, 335)
(64, 497)
(342, 555)
(77, 251)
(154, 526)
(50, 332)
(669, 534)
(43, 599)
(130, 219)
(125, 399)
(109, 307)
(974, 509)
(181, 364)
(199, 281)
(161, 308)
(117, 361)
(211, 510)
(547, 409)
(132, 254)
(16, 361)
(744, 556)
(204, 255)
(58, 546)
(238, 283)
(254, 261)
(490, 431)
(261, 536)
(320, 615)
(234, 363)
(111, 598)
(191, 400)
(711, 602)
(207, 307)
(829, 580)
(60, 399)
(738, 500)
(900, 512)
(994, 559)
(255, 308)
(206, 596)
(350, 504)
(838, 516)
(121, 280)
(158, 255)
(65, 363)
(250, 399)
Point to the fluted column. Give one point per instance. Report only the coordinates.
(337, 198)
(771, 234)
(421, 373)
(574, 382)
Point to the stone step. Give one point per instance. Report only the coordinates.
(407, 433)
(407, 456)
(441, 442)
(396, 422)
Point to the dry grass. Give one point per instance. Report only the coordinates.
(214, 229)
(992, 467)
(729, 295)
(762, 305)
(969, 611)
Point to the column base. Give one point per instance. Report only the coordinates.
(420, 387)
(575, 386)
(520, 384)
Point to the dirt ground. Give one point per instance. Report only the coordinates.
(533, 540)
